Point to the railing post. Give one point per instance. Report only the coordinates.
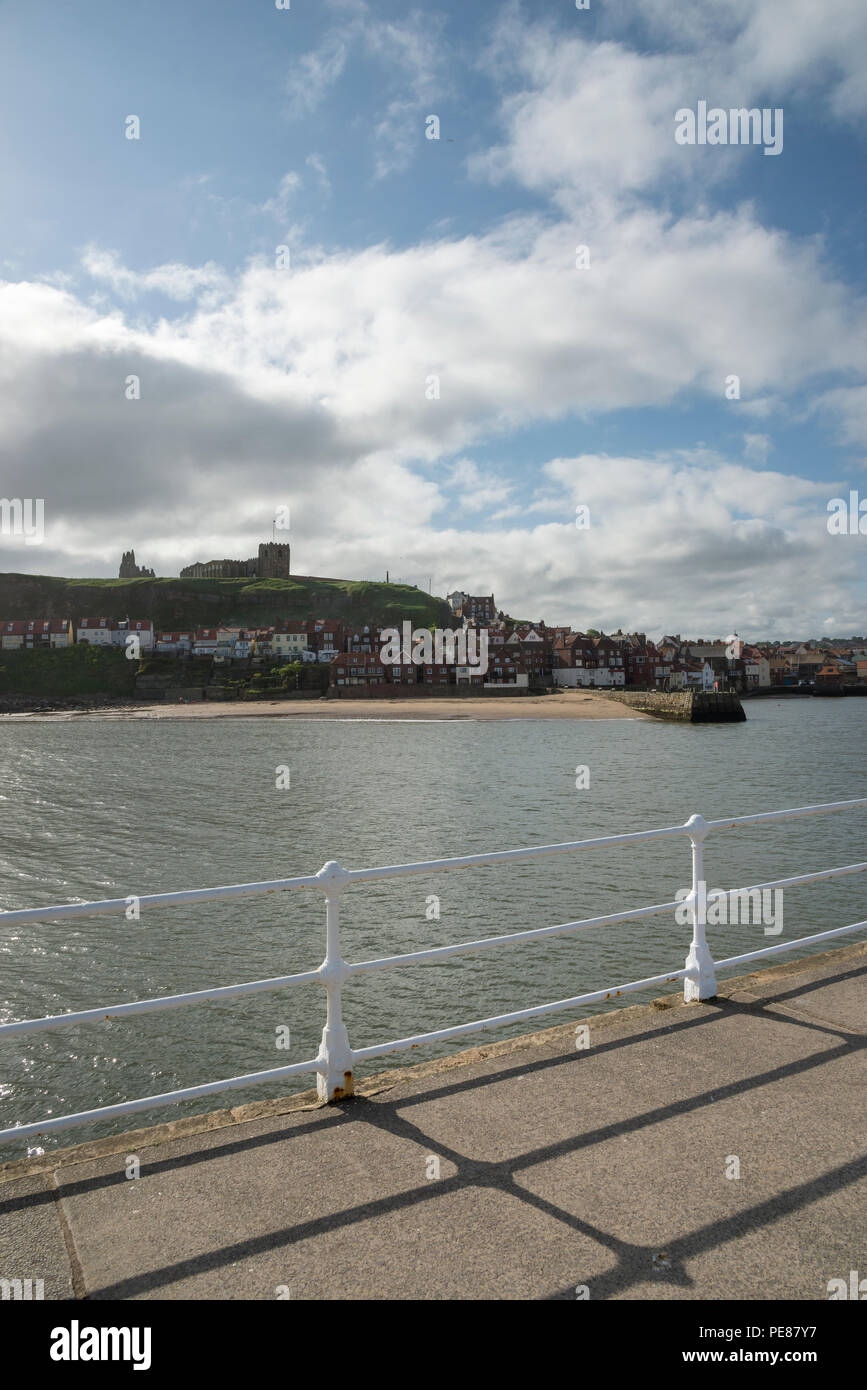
(334, 1081)
(700, 981)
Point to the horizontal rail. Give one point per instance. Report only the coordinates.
(511, 856)
(791, 945)
(763, 817)
(191, 895)
(516, 938)
(129, 1107)
(399, 1044)
(111, 1012)
(17, 917)
(336, 1059)
(610, 919)
(516, 1016)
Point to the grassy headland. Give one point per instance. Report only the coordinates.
(185, 603)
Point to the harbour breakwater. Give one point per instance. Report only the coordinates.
(684, 706)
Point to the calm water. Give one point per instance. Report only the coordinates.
(113, 808)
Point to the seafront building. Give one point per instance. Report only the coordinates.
(31, 633)
(520, 654)
(113, 632)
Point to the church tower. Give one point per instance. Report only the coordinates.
(273, 560)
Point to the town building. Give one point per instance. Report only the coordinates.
(205, 642)
(99, 632)
(478, 610)
(506, 668)
(357, 668)
(175, 643)
(140, 628)
(12, 635)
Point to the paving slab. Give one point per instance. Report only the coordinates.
(691, 1151)
(32, 1242)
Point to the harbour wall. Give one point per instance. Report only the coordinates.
(684, 706)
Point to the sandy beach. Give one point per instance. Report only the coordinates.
(565, 705)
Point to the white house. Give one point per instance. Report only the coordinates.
(98, 632)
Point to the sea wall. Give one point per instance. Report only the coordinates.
(684, 706)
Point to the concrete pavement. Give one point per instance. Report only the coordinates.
(523, 1169)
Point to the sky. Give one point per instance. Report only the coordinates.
(397, 338)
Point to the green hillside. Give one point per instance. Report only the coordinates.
(183, 603)
(79, 670)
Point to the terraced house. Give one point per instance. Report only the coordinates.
(113, 632)
(357, 668)
(33, 633)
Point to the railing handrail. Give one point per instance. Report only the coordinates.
(182, 898)
(335, 1061)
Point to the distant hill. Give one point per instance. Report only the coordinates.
(184, 603)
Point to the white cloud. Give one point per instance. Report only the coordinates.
(178, 282)
(757, 447)
(411, 73)
(307, 385)
(848, 406)
(475, 489)
(317, 164)
(594, 120)
(278, 206)
(269, 399)
(310, 80)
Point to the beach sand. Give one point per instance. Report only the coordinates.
(564, 705)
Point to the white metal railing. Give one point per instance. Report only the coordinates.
(335, 1062)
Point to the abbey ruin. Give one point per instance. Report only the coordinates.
(130, 570)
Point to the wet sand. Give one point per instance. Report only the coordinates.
(565, 705)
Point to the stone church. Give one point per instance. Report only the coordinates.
(272, 562)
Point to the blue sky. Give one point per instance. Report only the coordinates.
(455, 258)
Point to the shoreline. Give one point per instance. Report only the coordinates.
(566, 705)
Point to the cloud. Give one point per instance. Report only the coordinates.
(412, 71)
(264, 401)
(316, 72)
(757, 447)
(179, 282)
(475, 489)
(317, 164)
(278, 206)
(263, 386)
(848, 406)
(593, 120)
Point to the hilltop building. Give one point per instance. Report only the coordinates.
(272, 562)
(130, 570)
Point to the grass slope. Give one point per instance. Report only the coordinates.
(79, 670)
(182, 603)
